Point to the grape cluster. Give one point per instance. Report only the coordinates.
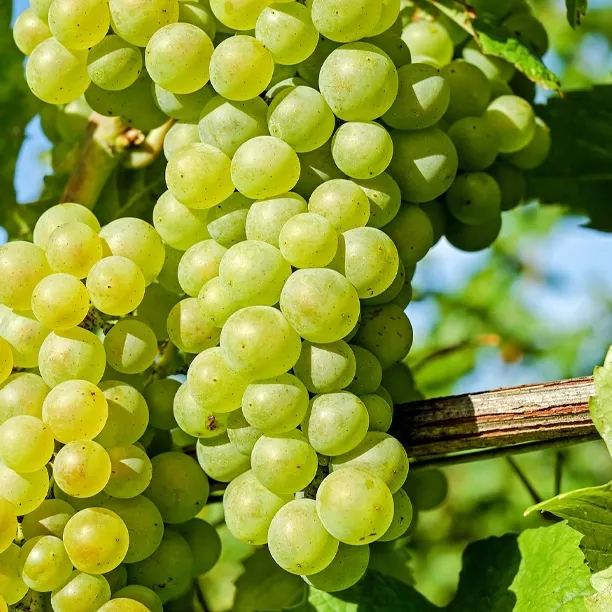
(310, 144)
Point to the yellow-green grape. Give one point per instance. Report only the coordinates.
(198, 265)
(24, 491)
(399, 381)
(204, 542)
(470, 90)
(379, 410)
(514, 121)
(160, 396)
(131, 346)
(26, 444)
(411, 232)
(136, 592)
(41, 8)
(359, 82)
(220, 459)
(298, 541)
(183, 107)
(309, 69)
(81, 593)
(392, 291)
(123, 604)
(82, 468)
(12, 586)
(277, 87)
(529, 30)
(474, 198)
(117, 578)
(49, 518)
(535, 152)
(493, 67)
(472, 237)
(137, 240)
(114, 64)
(8, 524)
(22, 266)
(250, 507)
(325, 368)
(266, 218)
(476, 142)
(79, 24)
(179, 487)
(137, 20)
(55, 74)
(343, 203)
(389, 15)
(116, 285)
(402, 517)
(3, 606)
(22, 393)
(241, 68)
(241, 434)
(344, 21)
(29, 31)
(347, 568)
(391, 43)
(96, 540)
(6, 360)
(264, 167)
(73, 248)
(59, 215)
(308, 240)
(227, 220)
(316, 167)
(238, 14)
(155, 308)
(179, 226)
(189, 330)
(198, 176)
(45, 562)
(131, 472)
(60, 301)
(429, 40)
(194, 419)
(25, 335)
(199, 14)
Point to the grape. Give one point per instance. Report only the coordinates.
(8, 524)
(195, 420)
(384, 196)
(12, 586)
(528, 30)
(241, 434)
(535, 152)
(24, 335)
(137, 240)
(474, 198)
(310, 68)
(22, 266)
(41, 8)
(168, 277)
(144, 524)
(227, 221)
(138, 593)
(123, 604)
(392, 291)
(402, 517)
(492, 66)
(179, 226)
(45, 563)
(428, 40)
(155, 308)
(347, 568)
(198, 14)
(324, 368)
(368, 372)
(470, 90)
(298, 541)
(166, 570)
(128, 415)
(96, 540)
(241, 67)
(216, 303)
(137, 20)
(204, 543)
(183, 107)
(25, 491)
(393, 46)
(117, 578)
(81, 593)
(511, 183)
(113, 63)
(199, 264)
(131, 472)
(238, 14)
(266, 218)
(29, 30)
(287, 31)
(73, 248)
(424, 163)
(213, 384)
(320, 304)
(6, 359)
(131, 346)
(79, 24)
(60, 301)
(514, 121)
(358, 81)
(82, 468)
(180, 135)
(301, 117)
(49, 518)
(277, 87)
(55, 74)
(411, 232)
(189, 330)
(427, 489)
(316, 167)
(26, 444)
(308, 240)
(470, 237)
(159, 396)
(179, 488)
(344, 21)
(220, 459)
(476, 142)
(342, 203)
(22, 393)
(59, 215)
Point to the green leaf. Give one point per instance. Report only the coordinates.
(600, 404)
(576, 10)
(589, 512)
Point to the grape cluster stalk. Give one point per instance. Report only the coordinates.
(251, 330)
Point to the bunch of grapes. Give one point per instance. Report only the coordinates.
(310, 144)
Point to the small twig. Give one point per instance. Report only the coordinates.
(523, 478)
(150, 148)
(559, 461)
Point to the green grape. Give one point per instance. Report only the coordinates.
(411, 232)
(282, 73)
(379, 454)
(384, 197)
(379, 410)
(429, 39)
(344, 21)
(179, 226)
(389, 15)
(436, 214)
(266, 218)
(131, 472)
(535, 152)
(470, 90)
(189, 330)
(241, 68)
(45, 563)
(298, 541)
(82, 468)
(137, 20)
(81, 593)
(347, 568)
(493, 67)
(500, 88)
(96, 540)
(274, 89)
(358, 81)
(183, 107)
(59, 215)
(320, 304)
(24, 335)
(528, 30)
(382, 392)
(144, 524)
(26, 444)
(511, 183)
(301, 117)
(368, 372)
(238, 14)
(216, 303)
(249, 508)
(55, 74)
(41, 8)
(198, 175)
(424, 163)
(427, 489)
(128, 415)
(114, 64)
(3, 606)
(138, 593)
(23, 265)
(168, 277)
(477, 144)
(227, 221)
(6, 359)
(355, 507)
(131, 346)
(60, 301)
(284, 463)
(344, 204)
(123, 604)
(241, 434)
(276, 405)
(204, 542)
(29, 30)
(177, 58)
(308, 240)
(117, 578)
(8, 524)
(316, 168)
(24, 491)
(392, 291)
(49, 518)
(324, 368)
(159, 396)
(199, 14)
(74, 248)
(79, 24)
(72, 120)
(166, 570)
(199, 264)
(155, 308)
(180, 135)
(402, 517)
(181, 439)
(137, 240)
(393, 46)
(195, 420)
(22, 393)
(221, 459)
(12, 586)
(513, 119)
(287, 32)
(179, 487)
(470, 237)
(474, 198)
(213, 384)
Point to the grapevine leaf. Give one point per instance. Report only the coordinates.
(589, 512)
(576, 10)
(600, 404)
